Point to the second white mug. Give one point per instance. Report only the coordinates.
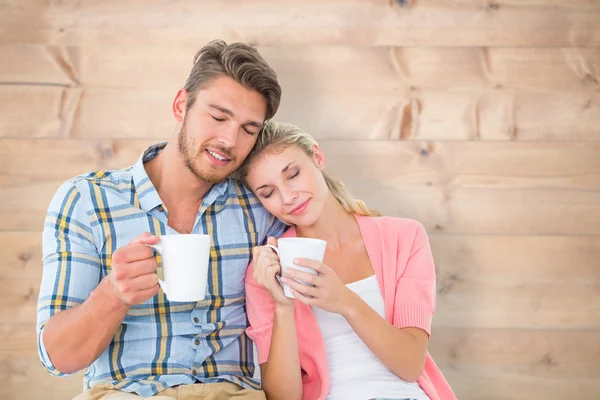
(290, 248)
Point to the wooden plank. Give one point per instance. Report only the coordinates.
(24, 21)
(482, 281)
(326, 67)
(355, 22)
(47, 65)
(560, 355)
(499, 385)
(525, 359)
(20, 366)
(377, 113)
(452, 187)
(517, 281)
(37, 111)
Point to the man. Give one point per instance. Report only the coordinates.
(100, 307)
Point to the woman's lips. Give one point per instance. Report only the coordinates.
(300, 209)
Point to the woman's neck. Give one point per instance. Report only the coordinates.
(335, 225)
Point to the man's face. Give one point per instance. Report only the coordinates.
(220, 129)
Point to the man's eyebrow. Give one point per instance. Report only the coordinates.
(222, 109)
(259, 125)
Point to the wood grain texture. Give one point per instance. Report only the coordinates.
(21, 371)
(375, 113)
(536, 282)
(267, 22)
(531, 354)
(452, 187)
(501, 385)
(480, 119)
(512, 363)
(361, 67)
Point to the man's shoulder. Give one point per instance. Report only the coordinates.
(239, 188)
(103, 178)
(79, 191)
(245, 199)
(243, 196)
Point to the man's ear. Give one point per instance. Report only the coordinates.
(179, 105)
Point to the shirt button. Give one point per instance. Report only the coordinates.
(197, 342)
(194, 372)
(160, 208)
(196, 320)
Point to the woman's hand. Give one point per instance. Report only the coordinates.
(328, 293)
(266, 267)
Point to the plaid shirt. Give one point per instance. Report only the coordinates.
(159, 344)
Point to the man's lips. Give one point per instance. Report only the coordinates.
(219, 155)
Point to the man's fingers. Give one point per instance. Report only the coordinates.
(139, 284)
(272, 241)
(135, 269)
(141, 296)
(145, 238)
(137, 252)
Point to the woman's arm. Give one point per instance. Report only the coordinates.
(273, 327)
(281, 375)
(402, 350)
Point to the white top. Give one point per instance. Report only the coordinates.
(355, 372)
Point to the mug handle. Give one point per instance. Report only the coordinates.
(161, 283)
(276, 250)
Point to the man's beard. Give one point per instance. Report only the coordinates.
(188, 157)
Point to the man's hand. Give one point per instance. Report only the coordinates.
(133, 277)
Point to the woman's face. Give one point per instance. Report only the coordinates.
(290, 184)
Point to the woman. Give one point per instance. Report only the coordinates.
(361, 331)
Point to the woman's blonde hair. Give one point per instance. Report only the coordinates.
(276, 137)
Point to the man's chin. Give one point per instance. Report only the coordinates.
(211, 178)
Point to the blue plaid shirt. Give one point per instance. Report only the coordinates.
(159, 344)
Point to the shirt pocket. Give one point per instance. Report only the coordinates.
(232, 254)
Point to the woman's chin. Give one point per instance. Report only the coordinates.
(304, 220)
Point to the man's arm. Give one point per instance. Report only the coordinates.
(77, 314)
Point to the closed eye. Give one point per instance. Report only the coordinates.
(218, 119)
(295, 175)
(266, 196)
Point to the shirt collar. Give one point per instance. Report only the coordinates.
(147, 193)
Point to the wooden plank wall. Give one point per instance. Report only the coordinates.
(480, 118)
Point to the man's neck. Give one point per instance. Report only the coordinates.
(175, 183)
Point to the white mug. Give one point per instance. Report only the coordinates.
(290, 248)
(185, 266)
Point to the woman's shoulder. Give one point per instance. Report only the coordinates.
(386, 224)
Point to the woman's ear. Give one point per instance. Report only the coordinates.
(319, 157)
(179, 105)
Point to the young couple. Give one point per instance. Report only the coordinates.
(359, 332)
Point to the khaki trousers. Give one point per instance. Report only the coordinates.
(198, 391)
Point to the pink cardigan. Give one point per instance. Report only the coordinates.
(401, 257)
